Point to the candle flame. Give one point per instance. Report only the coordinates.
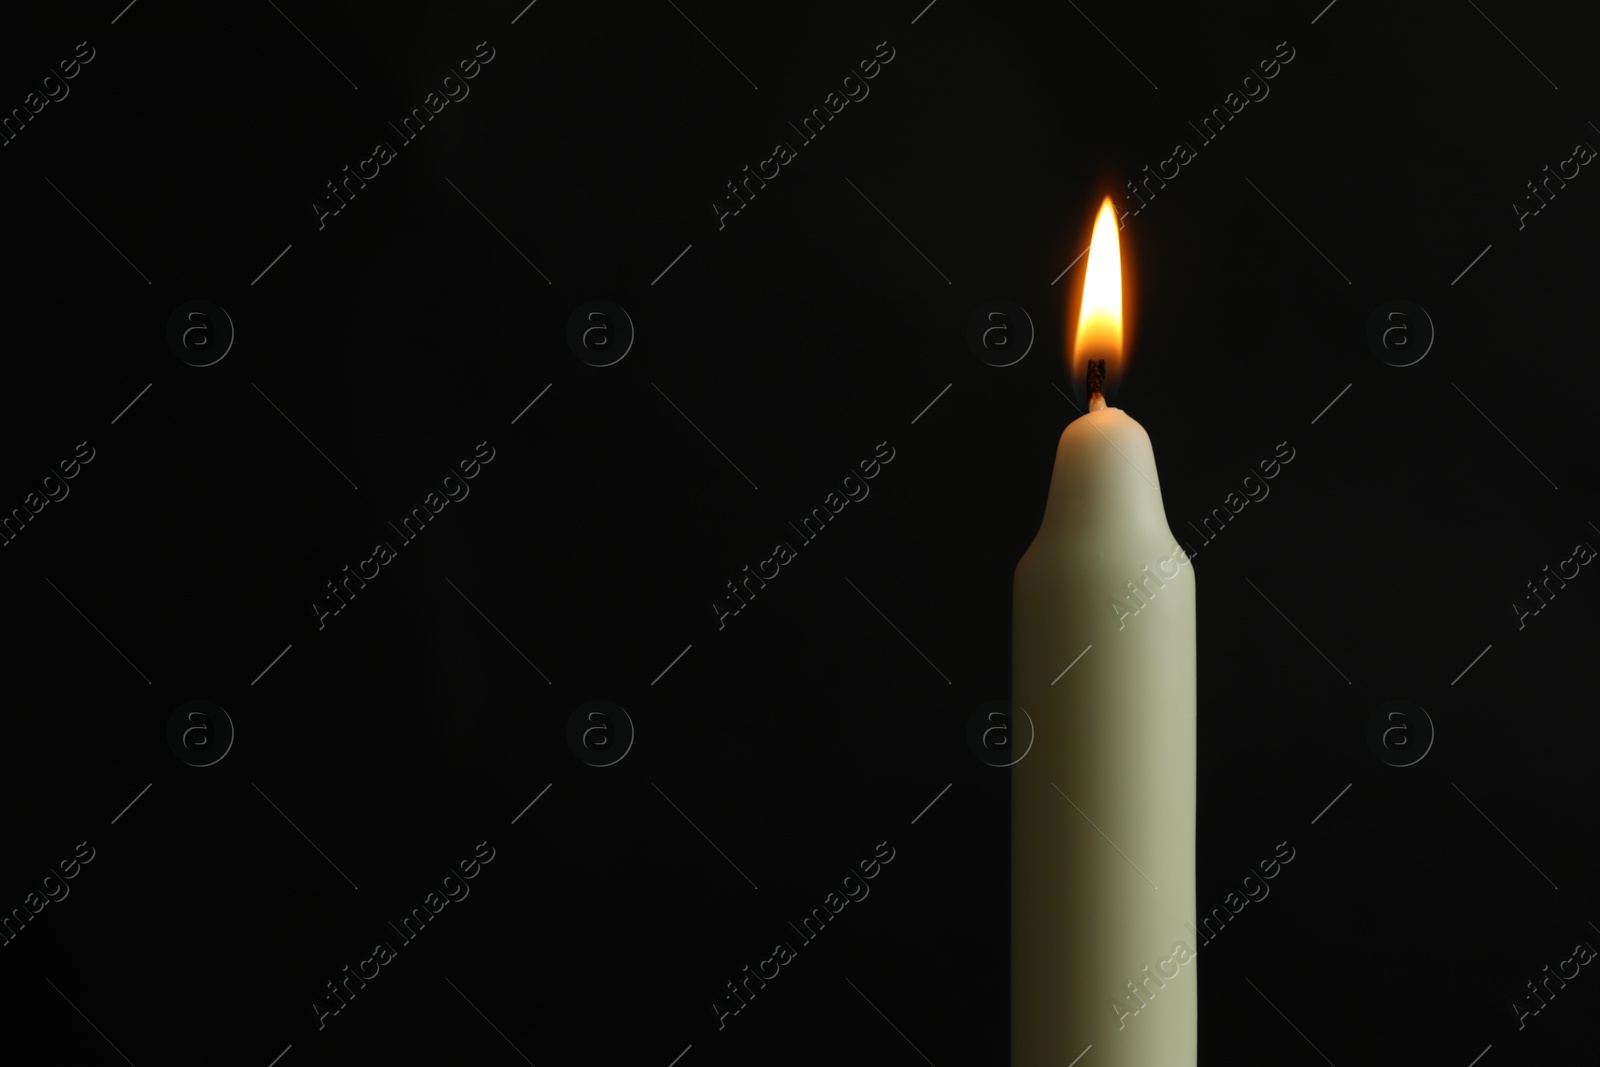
(1099, 333)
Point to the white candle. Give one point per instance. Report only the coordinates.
(1103, 804)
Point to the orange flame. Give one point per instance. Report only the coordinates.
(1099, 333)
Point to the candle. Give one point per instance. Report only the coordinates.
(1103, 804)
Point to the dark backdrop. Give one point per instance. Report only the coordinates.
(374, 349)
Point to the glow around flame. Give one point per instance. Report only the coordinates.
(1099, 333)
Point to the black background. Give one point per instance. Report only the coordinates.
(796, 338)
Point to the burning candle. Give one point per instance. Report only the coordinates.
(1103, 804)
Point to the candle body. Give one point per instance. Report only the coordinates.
(1103, 803)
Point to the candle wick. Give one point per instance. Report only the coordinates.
(1096, 383)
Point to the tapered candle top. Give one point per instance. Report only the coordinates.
(1104, 463)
